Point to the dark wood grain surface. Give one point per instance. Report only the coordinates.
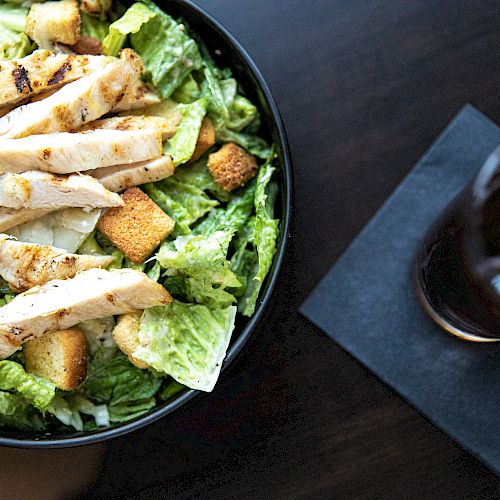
(364, 87)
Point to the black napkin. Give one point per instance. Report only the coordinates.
(366, 303)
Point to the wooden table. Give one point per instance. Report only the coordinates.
(364, 87)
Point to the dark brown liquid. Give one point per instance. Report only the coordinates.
(443, 278)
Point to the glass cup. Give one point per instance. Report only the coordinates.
(456, 270)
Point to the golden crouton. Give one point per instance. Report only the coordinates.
(206, 139)
(55, 21)
(59, 356)
(137, 227)
(231, 166)
(126, 336)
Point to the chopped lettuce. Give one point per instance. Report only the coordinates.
(182, 145)
(94, 27)
(197, 268)
(198, 175)
(68, 409)
(13, 17)
(17, 413)
(188, 92)
(185, 203)
(131, 22)
(35, 390)
(198, 252)
(264, 237)
(130, 409)
(252, 143)
(169, 54)
(116, 381)
(171, 389)
(233, 217)
(194, 200)
(186, 341)
(14, 43)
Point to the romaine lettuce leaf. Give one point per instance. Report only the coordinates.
(252, 143)
(232, 217)
(13, 41)
(198, 252)
(182, 145)
(186, 341)
(185, 203)
(188, 92)
(194, 200)
(171, 389)
(130, 409)
(117, 381)
(17, 413)
(169, 54)
(94, 27)
(68, 409)
(197, 268)
(13, 17)
(131, 22)
(198, 175)
(35, 390)
(264, 237)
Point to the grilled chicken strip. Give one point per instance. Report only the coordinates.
(77, 103)
(35, 189)
(65, 153)
(42, 71)
(61, 304)
(134, 122)
(121, 177)
(138, 95)
(10, 217)
(25, 265)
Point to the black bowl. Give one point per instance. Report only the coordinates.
(232, 55)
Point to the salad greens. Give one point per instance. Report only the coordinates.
(188, 341)
(214, 263)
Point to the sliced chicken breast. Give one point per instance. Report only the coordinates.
(25, 265)
(35, 189)
(64, 153)
(138, 95)
(121, 177)
(77, 103)
(61, 304)
(133, 122)
(42, 71)
(10, 217)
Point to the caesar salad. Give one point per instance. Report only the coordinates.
(136, 212)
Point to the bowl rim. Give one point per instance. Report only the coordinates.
(106, 434)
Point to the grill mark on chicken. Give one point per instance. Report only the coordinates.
(22, 80)
(59, 74)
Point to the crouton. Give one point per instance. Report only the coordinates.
(206, 140)
(231, 166)
(55, 22)
(138, 227)
(126, 336)
(87, 45)
(59, 356)
(96, 7)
